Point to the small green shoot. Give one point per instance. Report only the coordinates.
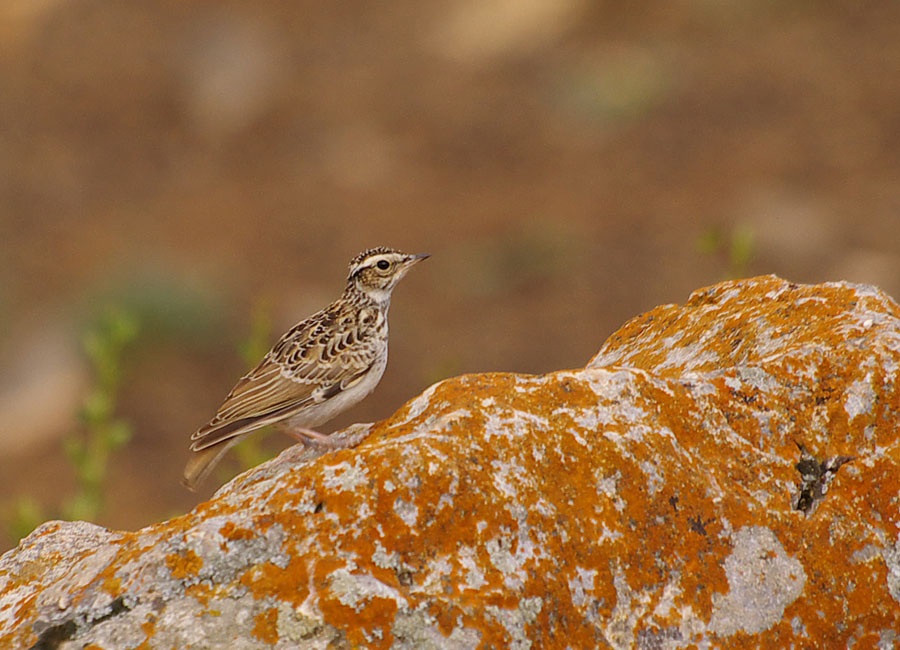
(250, 451)
(736, 246)
(100, 435)
(102, 432)
(22, 516)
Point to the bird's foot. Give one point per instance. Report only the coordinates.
(316, 440)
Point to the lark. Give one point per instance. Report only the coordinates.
(321, 367)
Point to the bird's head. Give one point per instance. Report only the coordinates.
(377, 271)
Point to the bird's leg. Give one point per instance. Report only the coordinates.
(311, 438)
(304, 435)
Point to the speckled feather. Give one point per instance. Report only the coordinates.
(323, 355)
(319, 368)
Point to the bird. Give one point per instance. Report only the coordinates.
(319, 368)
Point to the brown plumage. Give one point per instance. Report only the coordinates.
(318, 369)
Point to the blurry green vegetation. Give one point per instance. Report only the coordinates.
(532, 255)
(259, 341)
(735, 247)
(101, 432)
(22, 516)
(250, 451)
(142, 311)
(614, 86)
(168, 308)
(448, 366)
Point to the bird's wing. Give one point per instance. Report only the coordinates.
(314, 361)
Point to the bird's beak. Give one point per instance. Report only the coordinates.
(415, 259)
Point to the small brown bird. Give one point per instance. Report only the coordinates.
(321, 367)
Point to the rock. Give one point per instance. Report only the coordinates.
(723, 473)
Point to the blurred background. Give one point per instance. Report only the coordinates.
(181, 181)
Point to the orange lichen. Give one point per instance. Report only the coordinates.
(25, 609)
(232, 532)
(288, 584)
(185, 564)
(265, 626)
(200, 592)
(263, 522)
(373, 614)
(149, 626)
(112, 585)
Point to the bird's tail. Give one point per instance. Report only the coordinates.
(202, 463)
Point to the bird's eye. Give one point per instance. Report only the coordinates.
(384, 265)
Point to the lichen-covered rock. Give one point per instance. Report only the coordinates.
(724, 473)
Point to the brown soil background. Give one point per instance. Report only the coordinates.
(210, 163)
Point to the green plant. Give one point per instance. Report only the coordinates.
(22, 516)
(736, 246)
(250, 451)
(102, 432)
